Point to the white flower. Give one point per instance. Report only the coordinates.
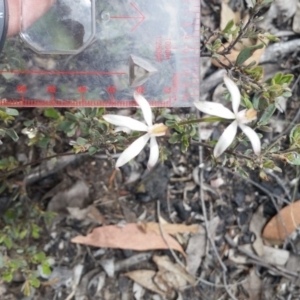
(240, 119)
(152, 132)
(31, 132)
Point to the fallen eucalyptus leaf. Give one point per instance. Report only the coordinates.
(129, 236)
(283, 224)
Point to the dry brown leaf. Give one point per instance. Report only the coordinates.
(164, 265)
(129, 236)
(283, 224)
(169, 228)
(257, 223)
(275, 256)
(227, 14)
(169, 278)
(195, 251)
(253, 285)
(232, 56)
(296, 20)
(145, 279)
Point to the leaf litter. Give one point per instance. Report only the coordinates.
(140, 237)
(169, 278)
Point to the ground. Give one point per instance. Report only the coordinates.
(214, 247)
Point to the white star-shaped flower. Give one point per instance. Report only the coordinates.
(240, 119)
(137, 146)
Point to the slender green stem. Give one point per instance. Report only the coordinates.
(201, 120)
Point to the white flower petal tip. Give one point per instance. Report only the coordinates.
(214, 109)
(154, 153)
(253, 138)
(145, 107)
(234, 92)
(133, 150)
(123, 121)
(226, 139)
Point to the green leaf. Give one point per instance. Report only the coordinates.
(11, 111)
(23, 234)
(7, 277)
(276, 78)
(70, 116)
(35, 232)
(268, 113)
(255, 101)
(8, 242)
(293, 158)
(170, 123)
(184, 143)
(295, 135)
(266, 129)
(66, 126)
(287, 94)
(247, 53)
(269, 164)
(39, 257)
(175, 138)
(92, 150)
(51, 113)
(46, 268)
(266, 2)
(8, 76)
(247, 102)
(1, 261)
(81, 141)
(28, 123)
(35, 282)
(287, 78)
(12, 134)
(43, 142)
(228, 27)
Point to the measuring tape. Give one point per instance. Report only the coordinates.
(95, 53)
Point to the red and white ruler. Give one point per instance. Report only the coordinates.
(95, 53)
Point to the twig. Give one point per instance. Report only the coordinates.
(226, 151)
(279, 181)
(227, 287)
(164, 237)
(201, 193)
(256, 260)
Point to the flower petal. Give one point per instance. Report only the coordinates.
(145, 107)
(234, 92)
(226, 139)
(133, 150)
(154, 153)
(124, 121)
(214, 109)
(253, 137)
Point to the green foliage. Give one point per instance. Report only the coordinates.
(7, 115)
(182, 133)
(19, 254)
(247, 53)
(8, 163)
(295, 137)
